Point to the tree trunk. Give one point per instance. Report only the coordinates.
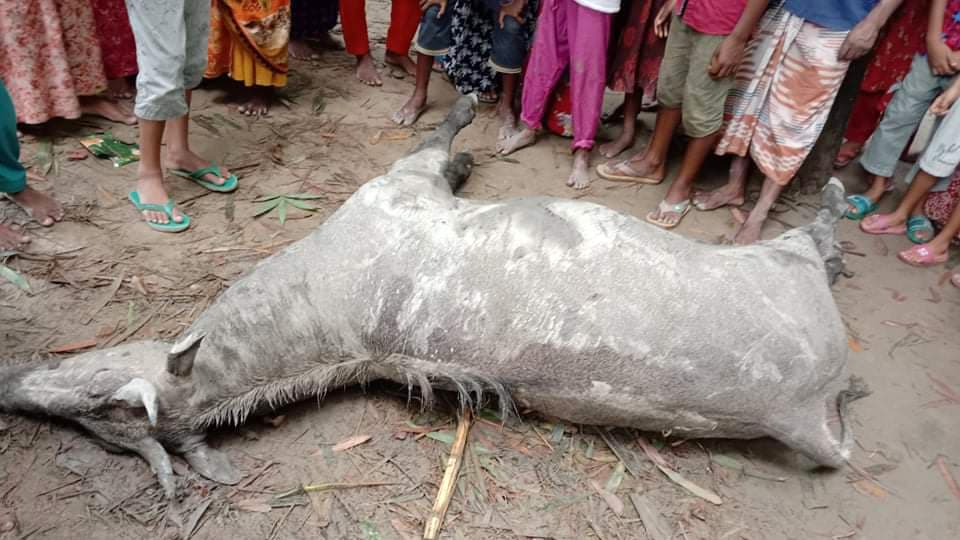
(818, 168)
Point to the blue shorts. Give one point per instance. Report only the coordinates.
(509, 48)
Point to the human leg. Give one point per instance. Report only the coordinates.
(506, 59)
(433, 40)
(404, 17)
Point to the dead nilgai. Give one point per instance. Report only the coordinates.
(562, 306)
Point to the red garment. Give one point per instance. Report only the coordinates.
(713, 17)
(637, 54)
(404, 19)
(903, 38)
(116, 38)
(940, 205)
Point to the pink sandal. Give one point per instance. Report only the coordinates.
(880, 224)
(922, 256)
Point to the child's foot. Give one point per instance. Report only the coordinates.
(120, 89)
(401, 61)
(107, 108)
(520, 139)
(150, 189)
(508, 121)
(872, 196)
(848, 152)
(188, 161)
(725, 196)
(42, 208)
(618, 145)
(648, 168)
(411, 111)
(12, 238)
(302, 50)
(580, 175)
(367, 71)
(256, 101)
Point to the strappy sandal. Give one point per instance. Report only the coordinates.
(656, 218)
(171, 226)
(230, 183)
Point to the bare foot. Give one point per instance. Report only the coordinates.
(618, 145)
(256, 102)
(12, 238)
(580, 175)
(367, 71)
(302, 50)
(120, 89)
(189, 161)
(648, 168)
(401, 61)
(107, 108)
(520, 139)
(411, 111)
(724, 196)
(150, 189)
(749, 231)
(508, 121)
(42, 208)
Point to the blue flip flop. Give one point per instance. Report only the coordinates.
(918, 224)
(169, 227)
(229, 184)
(862, 205)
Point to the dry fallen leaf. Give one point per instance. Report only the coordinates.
(77, 155)
(254, 505)
(935, 297)
(854, 344)
(350, 442)
(948, 476)
(869, 487)
(676, 477)
(74, 346)
(612, 500)
(138, 285)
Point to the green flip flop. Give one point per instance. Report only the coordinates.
(170, 226)
(228, 185)
(862, 205)
(920, 229)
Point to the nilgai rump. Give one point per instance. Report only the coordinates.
(562, 306)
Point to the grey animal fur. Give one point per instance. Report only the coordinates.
(566, 307)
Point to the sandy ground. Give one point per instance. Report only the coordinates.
(101, 276)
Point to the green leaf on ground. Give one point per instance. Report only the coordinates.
(14, 277)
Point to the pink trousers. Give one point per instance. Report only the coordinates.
(568, 34)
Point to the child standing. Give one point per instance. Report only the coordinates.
(635, 65)
(435, 37)
(705, 46)
(574, 34)
(171, 38)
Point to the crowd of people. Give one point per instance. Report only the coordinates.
(753, 79)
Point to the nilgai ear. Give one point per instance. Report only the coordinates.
(139, 393)
(181, 355)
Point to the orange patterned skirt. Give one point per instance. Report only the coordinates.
(248, 41)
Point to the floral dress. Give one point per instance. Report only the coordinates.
(49, 56)
(466, 63)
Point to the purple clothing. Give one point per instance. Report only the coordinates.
(574, 36)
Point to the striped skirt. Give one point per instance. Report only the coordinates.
(784, 90)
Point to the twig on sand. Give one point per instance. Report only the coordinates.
(432, 530)
(948, 476)
(316, 488)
